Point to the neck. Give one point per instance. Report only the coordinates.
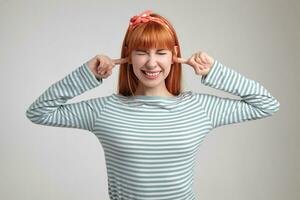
(152, 91)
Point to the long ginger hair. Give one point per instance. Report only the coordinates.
(149, 35)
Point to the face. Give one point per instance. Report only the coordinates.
(151, 60)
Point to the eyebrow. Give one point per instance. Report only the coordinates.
(146, 51)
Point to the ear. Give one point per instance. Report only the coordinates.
(175, 50)
(128, 55)
(129, 59)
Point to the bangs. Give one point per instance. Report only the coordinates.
(151, 35)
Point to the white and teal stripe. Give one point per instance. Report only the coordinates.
(150, 142)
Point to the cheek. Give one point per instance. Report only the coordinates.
(138, 60)
(167, 70)
(168, 61)
(136, 69)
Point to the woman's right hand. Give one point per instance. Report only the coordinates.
(102, 65)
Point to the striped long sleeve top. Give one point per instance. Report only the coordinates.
(150, 142)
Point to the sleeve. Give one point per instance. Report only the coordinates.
(50, 107)
(255, 103)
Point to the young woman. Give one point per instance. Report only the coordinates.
(151, 130)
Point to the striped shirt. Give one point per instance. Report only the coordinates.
(150, 142)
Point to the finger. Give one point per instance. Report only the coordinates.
(111, 65)
(99, 62)
(194, 64)
(199, 61)
(198, 69)
(102, 67)
(106, 67)
(204, 59)
(207, 60)
(99, 69)
(101, 73)
(180, 60)
(120, 61)
(194, 61)
(106, 74)
(201, 58)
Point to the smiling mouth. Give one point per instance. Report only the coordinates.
(150, 71)
(151, 75)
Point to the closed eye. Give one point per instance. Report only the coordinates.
(157, 53)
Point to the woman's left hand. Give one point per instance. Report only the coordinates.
(200, 61)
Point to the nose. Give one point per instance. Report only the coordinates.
(151, 62)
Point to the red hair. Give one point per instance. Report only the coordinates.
(149, 35)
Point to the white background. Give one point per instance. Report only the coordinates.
(43, 41)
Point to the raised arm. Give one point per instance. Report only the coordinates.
(51, 107)
(255, 103)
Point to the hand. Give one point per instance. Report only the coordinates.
(102, 65)
(200, 61)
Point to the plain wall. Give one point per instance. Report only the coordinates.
(43, 41)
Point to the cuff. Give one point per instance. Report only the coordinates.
(89, 76)
(213, 74)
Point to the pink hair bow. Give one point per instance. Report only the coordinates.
(141, 18)
(145, 17)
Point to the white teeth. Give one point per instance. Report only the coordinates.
(152, 74)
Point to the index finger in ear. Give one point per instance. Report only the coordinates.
(180, 60)
(120, 60)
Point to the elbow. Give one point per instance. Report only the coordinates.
(272, 107)
(277, 106)
(31, 115)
